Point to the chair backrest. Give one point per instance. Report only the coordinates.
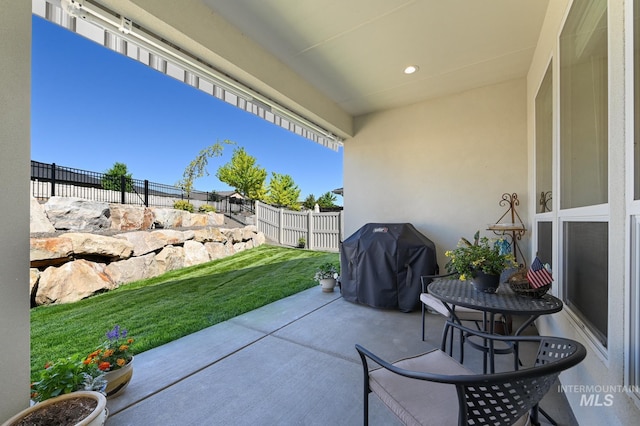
(505, 397)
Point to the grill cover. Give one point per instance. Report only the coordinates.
(381, 265)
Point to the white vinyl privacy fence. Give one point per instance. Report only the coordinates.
(321, 231)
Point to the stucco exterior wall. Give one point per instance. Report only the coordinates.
(15, 84)
(441, 165)
(598, 369)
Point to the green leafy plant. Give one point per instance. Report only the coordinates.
(206, 208)
(112, 178)
(302, 242)
(114, 353)
(326, 270)
(65, 376)
(490, 257)
(183, 205)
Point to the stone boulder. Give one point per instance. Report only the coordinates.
(195, 253)
(132, 269)
(218, 250)
(170, 236)
(71, 282)
(77, 214)
(129, 218)
(143, 242)
(39, 222)
(50, 251)
(92, 246)
(206, 235)
(170, 259)
(34, 276)
(169, 218)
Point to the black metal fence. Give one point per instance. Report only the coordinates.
(48, 180)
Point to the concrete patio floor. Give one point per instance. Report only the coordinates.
(292, 362)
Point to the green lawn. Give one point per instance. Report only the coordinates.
(164, 308)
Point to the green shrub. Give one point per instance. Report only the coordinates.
(206, 208)
(183, 205)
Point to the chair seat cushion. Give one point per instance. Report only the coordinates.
(463, 314)
(419, 402)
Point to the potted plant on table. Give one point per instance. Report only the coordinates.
(481, 262)
(66, 392)
(115, 358)
(326, 275)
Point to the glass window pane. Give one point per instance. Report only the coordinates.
(545, 248)
(586, 274)
(544, 143)
(583, 105)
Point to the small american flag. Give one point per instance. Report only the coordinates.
(537, 275)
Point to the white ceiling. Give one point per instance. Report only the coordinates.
(354, 51)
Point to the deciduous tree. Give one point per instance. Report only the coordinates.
(243, 174)
(283, 192)
(197, 168)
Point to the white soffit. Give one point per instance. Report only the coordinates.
(123, 36)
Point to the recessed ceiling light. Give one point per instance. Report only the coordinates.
(411, 69)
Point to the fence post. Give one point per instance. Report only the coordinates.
(280, 227)
(311, 243)
(340, 228)
(146, 193)
(255, 215)
(53, 179)
(123, 186)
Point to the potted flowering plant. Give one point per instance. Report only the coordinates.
(480, 260)
(67, 391)
(65, 376)
(115, 358)
(326, 275)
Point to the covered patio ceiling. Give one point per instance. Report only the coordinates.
(355, 51)
(331, 60)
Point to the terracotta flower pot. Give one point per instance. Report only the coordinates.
(97, 417)
(118, 380)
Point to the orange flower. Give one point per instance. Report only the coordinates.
(120, 362)
(124, 347)
(47, 365)
(108, 352)
(104, 366)
(87, 361)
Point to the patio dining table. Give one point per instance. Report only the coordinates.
(504, 301)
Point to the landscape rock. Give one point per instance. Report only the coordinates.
(91, 245)
(77, 214)
(169, 259)
(198, 219)
(50, 251)
(132, 269)
(39, 222)
(236, 235)
(195, 253)
(206, 235)
(170, 236)
(259, 239)
(218, 250)
(128, 218)
(169, 218)
(71, 282)
(143, 242)
(34, 276)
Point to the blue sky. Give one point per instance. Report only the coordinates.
(92, 107)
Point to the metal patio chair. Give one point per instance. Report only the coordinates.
(429, 389)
